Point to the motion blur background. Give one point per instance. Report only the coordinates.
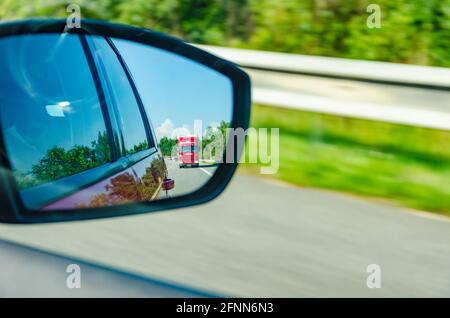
(349, 191)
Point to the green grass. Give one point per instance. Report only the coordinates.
(408, 165)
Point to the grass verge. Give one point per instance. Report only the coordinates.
(407, 165)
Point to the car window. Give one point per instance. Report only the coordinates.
(52, 120)
(122, 95)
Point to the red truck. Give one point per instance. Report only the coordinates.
(188, 151)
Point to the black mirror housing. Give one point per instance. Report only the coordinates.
(12, 207)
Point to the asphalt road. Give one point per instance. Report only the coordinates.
(187, 179)
(263, 238)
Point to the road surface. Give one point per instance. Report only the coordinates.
(263, 238)
(187, 179)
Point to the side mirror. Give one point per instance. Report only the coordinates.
(109, 120)
(168, 184)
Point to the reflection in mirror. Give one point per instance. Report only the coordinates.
(89, 121)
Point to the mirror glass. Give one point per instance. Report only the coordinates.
(90, 121)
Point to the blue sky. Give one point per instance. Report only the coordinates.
(177, 91)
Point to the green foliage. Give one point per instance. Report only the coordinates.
(136, 148)
(59, 162)
(166, 145)
(412, 31)
(223, 126)
(102, 148)
(408, 165)
(211, 135)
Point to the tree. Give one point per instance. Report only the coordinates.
(166, 145)
(139, 147)
(210, 142)
(102, 147)
(58, 162)
(413, 31)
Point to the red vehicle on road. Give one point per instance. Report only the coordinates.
(188, 151)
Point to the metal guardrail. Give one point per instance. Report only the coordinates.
(431, 84)
(382, 72)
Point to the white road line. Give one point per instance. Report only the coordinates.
(206, 171)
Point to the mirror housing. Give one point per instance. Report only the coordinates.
(168, 184)
(12, 207)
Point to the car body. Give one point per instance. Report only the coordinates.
(188, 151)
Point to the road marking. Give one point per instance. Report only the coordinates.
(206, 171)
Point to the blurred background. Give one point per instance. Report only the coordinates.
(364, 167)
